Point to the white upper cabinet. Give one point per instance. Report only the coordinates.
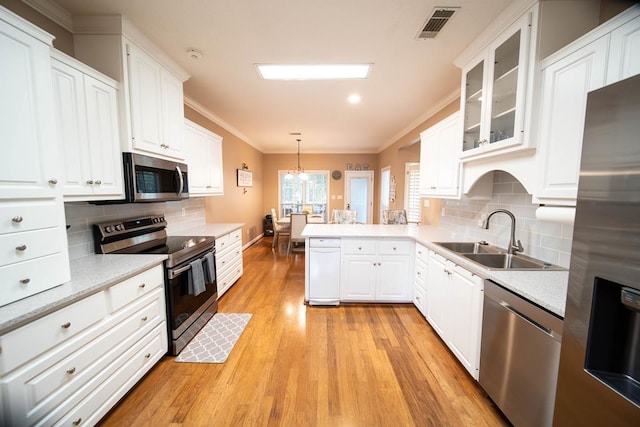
(86, 109)
(439, 158)
(151, 96)
(203, 155)
(494, 91)
(603, 56)
(28, 166)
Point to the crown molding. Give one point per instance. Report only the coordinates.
(53, 11)
(192, 103)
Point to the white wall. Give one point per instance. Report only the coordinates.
(547, 241)
(81, 217)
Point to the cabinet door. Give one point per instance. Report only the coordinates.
(146, 101)
(103, 138)
(393, 278)
(465, 319)
(216, 166)
(472, 94)
(358, 278)
(565, 85)
(439, 158)
(624, 53)
(438, 294)
(203, 154)
(28, 166)
(70, 112)
(172, 115)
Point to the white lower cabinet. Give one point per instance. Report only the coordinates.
(229, 265)
(420, 278)
(73, 365)
(376, 270)
(454, 309)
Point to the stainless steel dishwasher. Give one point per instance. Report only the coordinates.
(519, 356)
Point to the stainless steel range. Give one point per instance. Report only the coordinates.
(190, 274)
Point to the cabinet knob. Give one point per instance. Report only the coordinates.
(90, 182)
(25, 281)
(208, 186)
(71, 371)
(65, 325)
(77, 421)
(17, 219)
(148, 355)
(394, 248)
(145, 318)
(359, 248)
(142, 285)
(98, 182)
(21, 247)
(53, 181)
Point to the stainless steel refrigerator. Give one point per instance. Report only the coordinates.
(599, 376)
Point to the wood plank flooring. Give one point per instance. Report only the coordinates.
(294, 365)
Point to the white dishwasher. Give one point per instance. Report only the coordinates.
(324, 271)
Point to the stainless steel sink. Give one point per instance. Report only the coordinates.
(510, 262)
(496, 258)
(470, 247)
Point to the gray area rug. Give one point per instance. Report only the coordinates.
(215, 341)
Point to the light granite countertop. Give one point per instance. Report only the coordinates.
(89, 275)
(547, 289)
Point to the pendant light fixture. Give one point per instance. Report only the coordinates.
(298, 171)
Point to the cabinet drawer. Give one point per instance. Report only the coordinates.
(420, 276)
(227, 257)
(422, 253)
(23, 344)
(16, 247)
(235, 236)
(353, 247)
(33, 392)
(222, 243)
(130, 289)
(93, 401)
(390, 247)
(27, 278)
(26, 216)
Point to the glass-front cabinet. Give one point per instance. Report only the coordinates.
(493, 92)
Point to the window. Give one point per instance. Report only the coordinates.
(412, 192)
(298, 196)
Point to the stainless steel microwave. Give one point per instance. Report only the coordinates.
(149, 179)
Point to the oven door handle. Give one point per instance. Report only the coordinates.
(181, 181)
(178, 271)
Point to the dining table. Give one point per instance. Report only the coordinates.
(311, 219)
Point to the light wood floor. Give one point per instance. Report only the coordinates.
(294, 365)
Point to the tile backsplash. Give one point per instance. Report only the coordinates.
(548, 241)
(80, 218)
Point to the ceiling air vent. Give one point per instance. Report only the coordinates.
(439, 17)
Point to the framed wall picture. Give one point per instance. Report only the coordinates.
(245, 178)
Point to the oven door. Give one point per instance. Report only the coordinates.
(188, 313)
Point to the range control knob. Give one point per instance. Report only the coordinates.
(119, 227)
(108, 229)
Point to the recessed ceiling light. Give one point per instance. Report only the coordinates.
(313, 72)
(194, 54)
(354, 98)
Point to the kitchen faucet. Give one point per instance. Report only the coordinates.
(513, 248)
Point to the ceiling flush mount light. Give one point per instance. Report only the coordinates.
(298, 171)
(354, 98)
(313, 72)
(194, 54)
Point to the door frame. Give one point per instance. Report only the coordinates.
(348, 175)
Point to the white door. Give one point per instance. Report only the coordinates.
(358, 194)
(385, 180)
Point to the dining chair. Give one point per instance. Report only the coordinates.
(394, 216)
(344, 216)
(278, 229)
(298, 222)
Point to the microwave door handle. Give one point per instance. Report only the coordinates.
(181, 181)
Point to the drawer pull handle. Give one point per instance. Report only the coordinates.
(66, 325)
(17, 219)
(394, 248)
(90, 182)
(147, 356)
(142, 285)
(53, 181)
(145, 318)
(25, 281)
(71, 371)
(21, 248)
(77, 421)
